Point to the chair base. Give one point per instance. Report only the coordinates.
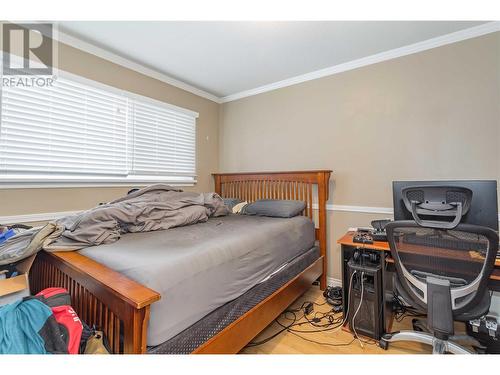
(438, 346)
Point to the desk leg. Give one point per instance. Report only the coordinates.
(345, 256)
(387, 275)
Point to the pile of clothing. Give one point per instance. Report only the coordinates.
(46, 324)
(152, 208)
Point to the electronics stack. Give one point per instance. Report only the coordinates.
(365, 314)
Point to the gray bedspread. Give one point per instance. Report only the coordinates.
(155, 207)
(199, 267)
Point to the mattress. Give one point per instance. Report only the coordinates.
(200, 267)
(210, 325)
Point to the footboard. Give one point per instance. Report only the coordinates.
(114, 303)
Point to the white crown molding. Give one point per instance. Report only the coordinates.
(127, 63)
(458, 36)
(31, 218)
(439, 41)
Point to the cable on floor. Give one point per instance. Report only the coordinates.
(329, 321)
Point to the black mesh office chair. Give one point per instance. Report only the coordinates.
(443, 273)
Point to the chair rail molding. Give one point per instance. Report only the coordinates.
(46, 216)
(31, 218)
(362, 209)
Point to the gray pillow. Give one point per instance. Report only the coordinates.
(231, 202)
(275, 208)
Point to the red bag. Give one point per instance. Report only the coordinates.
(59, 300)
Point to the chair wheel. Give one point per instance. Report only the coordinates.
(383, 344)
(479, 349)
(418, 325)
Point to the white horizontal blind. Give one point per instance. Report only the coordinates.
(163, 141)
(82, 128)
(69, 128)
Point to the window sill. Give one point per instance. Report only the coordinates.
(32, 183)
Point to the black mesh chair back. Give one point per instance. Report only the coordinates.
(462, 257)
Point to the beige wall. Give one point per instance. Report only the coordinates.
(27, 201)
(431, 115)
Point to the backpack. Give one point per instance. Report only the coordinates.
(93, 341)
(59, 300)
(28, 326)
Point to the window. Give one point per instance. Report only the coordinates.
(163, 141)
(79, 131)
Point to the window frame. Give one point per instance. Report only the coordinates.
(16, 181)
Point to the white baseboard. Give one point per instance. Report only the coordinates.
(331, 281)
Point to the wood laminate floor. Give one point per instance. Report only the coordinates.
(289, 343)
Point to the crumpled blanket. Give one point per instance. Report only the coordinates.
(155, 207)
(27, 243)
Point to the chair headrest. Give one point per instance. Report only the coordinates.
(437, 202)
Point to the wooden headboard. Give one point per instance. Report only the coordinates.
(296, 185)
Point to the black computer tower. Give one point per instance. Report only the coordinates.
(366, 278)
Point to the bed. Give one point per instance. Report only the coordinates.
(107, 283)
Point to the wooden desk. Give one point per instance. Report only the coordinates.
(348, 247)
(346, 240)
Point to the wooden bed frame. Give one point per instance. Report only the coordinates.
(121, 306)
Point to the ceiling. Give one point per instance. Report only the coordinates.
(226, 58)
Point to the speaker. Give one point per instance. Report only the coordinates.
(365, 314)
